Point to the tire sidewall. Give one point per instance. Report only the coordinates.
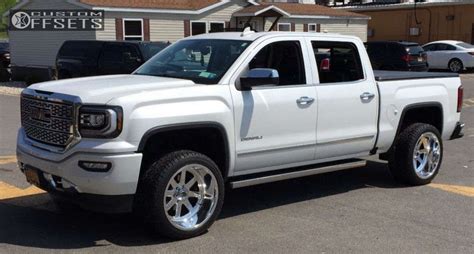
(456, 60)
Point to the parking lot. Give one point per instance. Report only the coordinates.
(361, 210)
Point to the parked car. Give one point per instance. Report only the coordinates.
(455, 56)
(92, 58)
(4, 54)
(235, 110)
(397, 56)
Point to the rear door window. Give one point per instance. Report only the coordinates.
(80, 49)
(414, 50)
(337, 62)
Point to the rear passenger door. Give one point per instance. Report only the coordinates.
(347, 99)
(118, 58)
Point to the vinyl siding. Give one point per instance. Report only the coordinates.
(108, 34)
(166, 30)
(34, 48)
(354, 28)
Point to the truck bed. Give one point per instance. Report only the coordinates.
(406, 75)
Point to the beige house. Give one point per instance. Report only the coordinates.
(171, 20)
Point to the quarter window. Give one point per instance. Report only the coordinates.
(285, 57)
(337, 62)
(133, 29)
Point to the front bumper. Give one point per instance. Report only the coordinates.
(63, 177)
(457, 133)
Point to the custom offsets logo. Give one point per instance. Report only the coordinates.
(56, 20)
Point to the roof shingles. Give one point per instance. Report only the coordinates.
(153, 4)
(303, 10)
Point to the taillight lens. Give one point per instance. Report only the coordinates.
(460, 98)
(406, 58)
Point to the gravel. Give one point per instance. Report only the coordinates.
(12, 88)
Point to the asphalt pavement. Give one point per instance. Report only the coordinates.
(354, 211)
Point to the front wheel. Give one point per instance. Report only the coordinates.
(181, 194)
(418, 153)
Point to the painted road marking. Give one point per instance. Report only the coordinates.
(468, 103)
(461, 190)
(7, 160)
(8, 191)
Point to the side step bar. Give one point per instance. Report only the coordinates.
(296, 174)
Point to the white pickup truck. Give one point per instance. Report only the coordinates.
(229, 110)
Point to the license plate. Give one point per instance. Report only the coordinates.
(32, 176)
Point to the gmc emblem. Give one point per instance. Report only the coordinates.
(41, 114)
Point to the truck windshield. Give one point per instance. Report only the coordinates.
(202, 61)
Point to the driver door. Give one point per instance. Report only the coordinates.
(275, 125)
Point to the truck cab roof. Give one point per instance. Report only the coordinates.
(252, 36)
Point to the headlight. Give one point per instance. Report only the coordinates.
(100, 121)
(7, 56)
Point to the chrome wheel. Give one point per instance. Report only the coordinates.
(455, 66)
(427, 155)
(191, 197)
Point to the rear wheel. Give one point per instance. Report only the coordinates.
(418, 153)
(455, 65)
(181, 195)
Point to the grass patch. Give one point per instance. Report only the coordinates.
(3, 35)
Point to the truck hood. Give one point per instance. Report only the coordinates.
(102, 89)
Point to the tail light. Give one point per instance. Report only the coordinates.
(406, 58)
(325, 65)
(460, 98)
(471, 53)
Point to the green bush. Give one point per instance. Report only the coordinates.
(4, 6)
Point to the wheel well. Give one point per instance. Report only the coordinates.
(424, 113)
(208, 140)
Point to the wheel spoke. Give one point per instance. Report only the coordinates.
(178, 209)
(169, 193)
(193, 194)
(182, 178)
(173, 183)
(188, 205)
(170, 204)
(191, 182)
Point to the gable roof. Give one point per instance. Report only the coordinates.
(294, 10)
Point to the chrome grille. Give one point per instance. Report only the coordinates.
(48, 122)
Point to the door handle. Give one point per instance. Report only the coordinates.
(305, 100)
(367, 96)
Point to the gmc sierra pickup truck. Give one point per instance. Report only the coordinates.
(229, 110)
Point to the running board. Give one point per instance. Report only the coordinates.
(296, 174)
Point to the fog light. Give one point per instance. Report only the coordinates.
(94, 166)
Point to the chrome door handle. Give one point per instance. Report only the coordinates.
(305, 100)
(367, 96)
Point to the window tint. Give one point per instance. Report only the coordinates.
(4, 46)
(133, 30)
(117, 52)
(431, 47)
(337, 62)
(80, 49)
(285, 57)
(151, 49)
(414, 50)
(198, 28)
(445, 47)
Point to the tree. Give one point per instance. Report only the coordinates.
(5, 5)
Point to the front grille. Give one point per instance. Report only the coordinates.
(48, 122)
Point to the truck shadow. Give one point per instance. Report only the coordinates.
(23, 224)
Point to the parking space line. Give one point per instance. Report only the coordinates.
(8, 191)
(7, 160)
(461, 190)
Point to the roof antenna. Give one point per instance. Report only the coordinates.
(247, 31)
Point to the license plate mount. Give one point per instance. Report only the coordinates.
(32, 176)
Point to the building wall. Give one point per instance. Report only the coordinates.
(453, 22)
(39, 49)
(340, 26)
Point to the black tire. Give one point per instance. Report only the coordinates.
(4, 74)
(401, 164)
(154, 183)
(458, 63)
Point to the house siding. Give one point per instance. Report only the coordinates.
(109, 33)
(166, 30)
(34, 48)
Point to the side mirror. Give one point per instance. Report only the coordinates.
(259, 77)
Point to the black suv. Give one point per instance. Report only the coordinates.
(397, 56)
(92, 58)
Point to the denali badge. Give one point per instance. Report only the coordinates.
(41, 114)
(251, 138)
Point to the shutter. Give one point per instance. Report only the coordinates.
(318, 28)
(305, 28)
(187, 28)
(146, 29)
(293, 27)
(118, 29)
